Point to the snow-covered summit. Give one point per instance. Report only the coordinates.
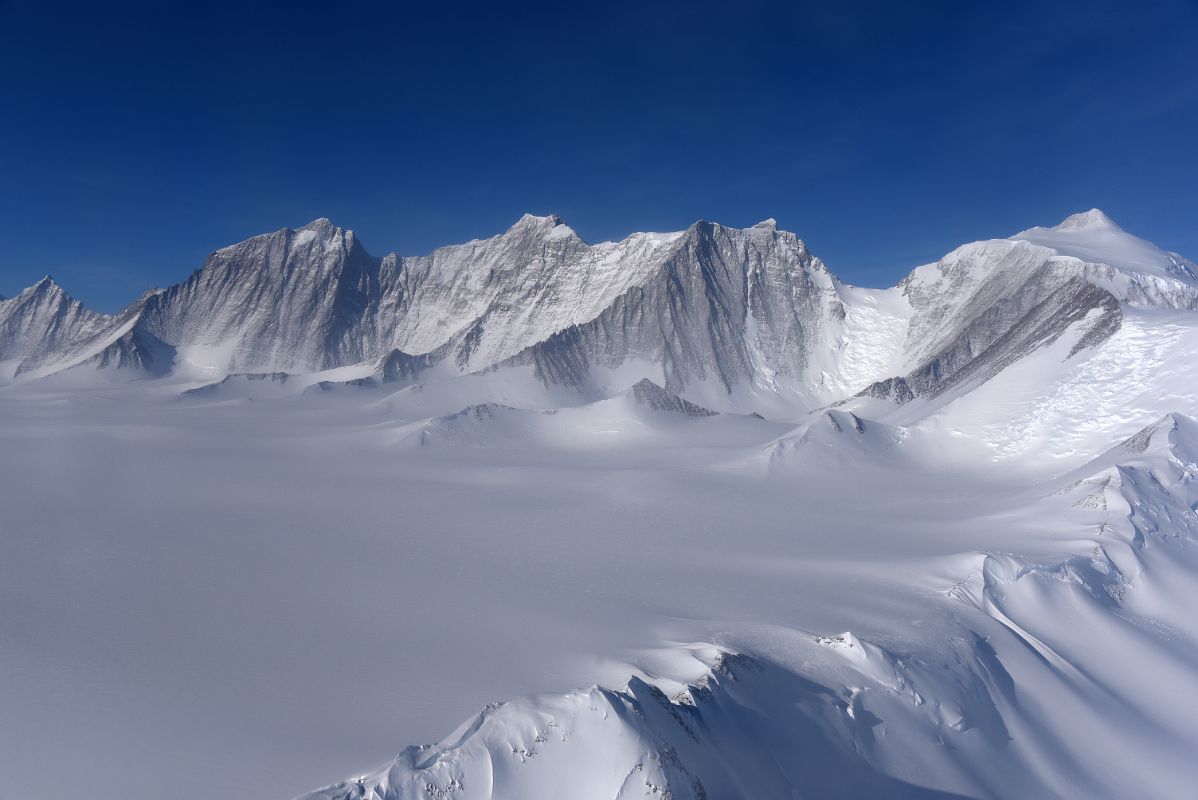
(44, 290)
(1093, 237)
(46, 284)
(42, 321)
(1094, 218)
(529, 220)
(322, 225)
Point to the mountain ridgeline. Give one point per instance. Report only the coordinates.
(729, 317)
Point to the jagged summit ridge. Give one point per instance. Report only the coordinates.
(718, 314)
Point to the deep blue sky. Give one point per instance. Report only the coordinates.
(134, 139)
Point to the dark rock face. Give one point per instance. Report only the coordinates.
(650, 395)
(137, 350)
(710, 304)
(724, 305)
(895, 389)
(1013, 325)
(399, 366)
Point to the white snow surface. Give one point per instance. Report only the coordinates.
(1133, 268)
(224, 582)
(1094, 237)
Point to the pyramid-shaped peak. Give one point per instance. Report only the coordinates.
(47, 287)
(1094, 218)
(647, 393)
(645, 385)
(46, 293)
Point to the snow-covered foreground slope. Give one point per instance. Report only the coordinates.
(252, 597)
(1062, 672)
(680, 516)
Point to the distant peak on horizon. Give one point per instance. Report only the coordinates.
(318, 224)
(1084, 222)
(1094, 218)
(547, 220)
(46, 285)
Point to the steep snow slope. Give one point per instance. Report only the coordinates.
(988, 304)
(1064, 399)
(871, 343)
(1136, 270)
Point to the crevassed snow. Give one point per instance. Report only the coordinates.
(870, 344)
(1051, 406)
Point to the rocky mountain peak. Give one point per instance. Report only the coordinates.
(538, 221)
(322, 227)
(323, 230)
(46, 286)
(723, 311)
(46, 293)
(550, 226)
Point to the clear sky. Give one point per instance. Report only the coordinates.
(135, 139)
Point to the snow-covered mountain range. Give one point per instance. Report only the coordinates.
(792, 537)
(739, 318)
